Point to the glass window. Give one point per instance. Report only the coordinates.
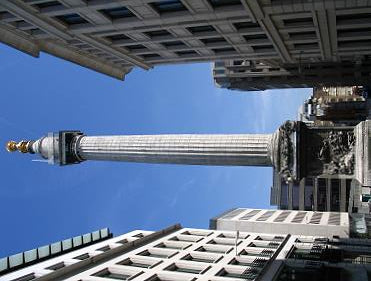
(223, 3)
(284, 196)
(255, 36)
(168, 6)
(49, 4)
(245, 25)
(308, 194)
(72, 19)
(335, 195)
(200, 29)
(213, 41)
(295, 197)
(322, 195)
(117, 13)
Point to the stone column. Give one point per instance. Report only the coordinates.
(238, 150)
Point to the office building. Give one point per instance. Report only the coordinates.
(327, 41)
(178, 254)
(326, 224)
(261, 43)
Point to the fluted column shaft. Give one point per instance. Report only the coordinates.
(239, 150)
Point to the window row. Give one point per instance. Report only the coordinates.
(116, 13)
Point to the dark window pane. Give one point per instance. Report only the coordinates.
(308, 194)
(222, 3)
(48, 4)
(243, 25)
(213, 40)
(199, 29)
(169, 6)
(117, 13)
(284, 197)
(135, 47)
(335, 195)
(255, 36)
(322, 195)
(117, 37)
(295, 197)
(71, 19)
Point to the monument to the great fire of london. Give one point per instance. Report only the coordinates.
(295, 150)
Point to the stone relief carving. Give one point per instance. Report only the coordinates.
(337, 153)
(286, 150)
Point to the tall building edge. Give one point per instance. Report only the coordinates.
(213, 221)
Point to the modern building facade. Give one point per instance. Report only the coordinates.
(326, 224)
(327, 41)
(262, 43)
(178, 254)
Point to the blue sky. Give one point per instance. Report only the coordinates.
(41, 203)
